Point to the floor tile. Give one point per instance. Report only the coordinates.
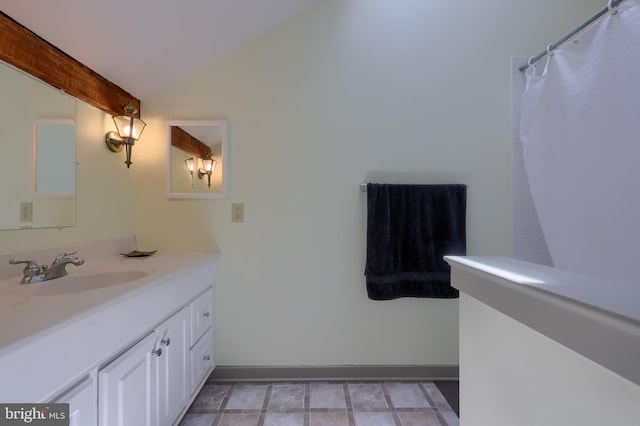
(419, 418)
(284, 419)
(198, 419)
(436, 396)
(367, 396)
(239, 419)
(450, 417)
(394, 403)
(328, 419)
(286, 397)
(327, 395)
(374, 419)
(406, 395)
(247, 397)
(210, 398)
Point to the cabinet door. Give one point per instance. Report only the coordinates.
(83, 404)
(202, 363)
(127, 387)
(201, 315)
(172, 369)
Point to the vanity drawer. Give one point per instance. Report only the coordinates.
(201, 315)
(202, 359)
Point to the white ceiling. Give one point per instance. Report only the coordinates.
(145, 45)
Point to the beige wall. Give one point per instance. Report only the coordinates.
(349, 92)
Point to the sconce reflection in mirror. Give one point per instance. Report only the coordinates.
(204, 141)
(189, 162)
(208, 166)
(129, 130)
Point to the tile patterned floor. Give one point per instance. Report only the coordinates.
(320, 404)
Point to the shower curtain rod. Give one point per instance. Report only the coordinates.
(610, 5)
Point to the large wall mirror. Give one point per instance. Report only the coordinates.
(38, 153)
(198, 159)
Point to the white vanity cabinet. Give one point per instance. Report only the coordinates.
(83, 408)
(123, 354)
(202, 362)
(201, 312)
(201, 338)
(151, 383)
(128, 386)
(172, 370)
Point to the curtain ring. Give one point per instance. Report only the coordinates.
(530, 61)
(612, 10)
(549, 50)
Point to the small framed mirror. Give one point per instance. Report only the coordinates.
(198, 163)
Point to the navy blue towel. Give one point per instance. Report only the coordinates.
(409, 230)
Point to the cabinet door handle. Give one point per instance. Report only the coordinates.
(206, 315)
(206, 357)
(157, 352)
(166, 341)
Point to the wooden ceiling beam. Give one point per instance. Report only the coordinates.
(30, 53)
(183, 140)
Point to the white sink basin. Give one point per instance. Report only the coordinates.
(79, 283)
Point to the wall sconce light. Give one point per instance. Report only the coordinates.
(129, 130)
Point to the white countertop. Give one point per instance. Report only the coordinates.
(49, 341)
(25, 316)
(596, 318)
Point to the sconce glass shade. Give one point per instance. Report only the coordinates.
(189, 162)
(129, 126)
(209, 165)
(129, 130)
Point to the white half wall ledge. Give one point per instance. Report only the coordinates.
(595, 318)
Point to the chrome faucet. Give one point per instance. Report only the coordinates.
(33, 273)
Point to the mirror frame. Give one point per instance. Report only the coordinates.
(224, 161)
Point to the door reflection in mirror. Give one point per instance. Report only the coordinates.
(55, 157)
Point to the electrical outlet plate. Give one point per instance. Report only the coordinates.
(237, 212)
(26, 212)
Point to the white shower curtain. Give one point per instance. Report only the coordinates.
(580, 129)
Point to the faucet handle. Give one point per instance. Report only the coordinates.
(31, 269)
(63, 255)
(17, 261)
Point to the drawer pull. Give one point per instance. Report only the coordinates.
(157, 352)
(166, 341)
(206, 357)
(206, 314)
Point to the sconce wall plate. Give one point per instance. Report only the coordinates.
(114, 141)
